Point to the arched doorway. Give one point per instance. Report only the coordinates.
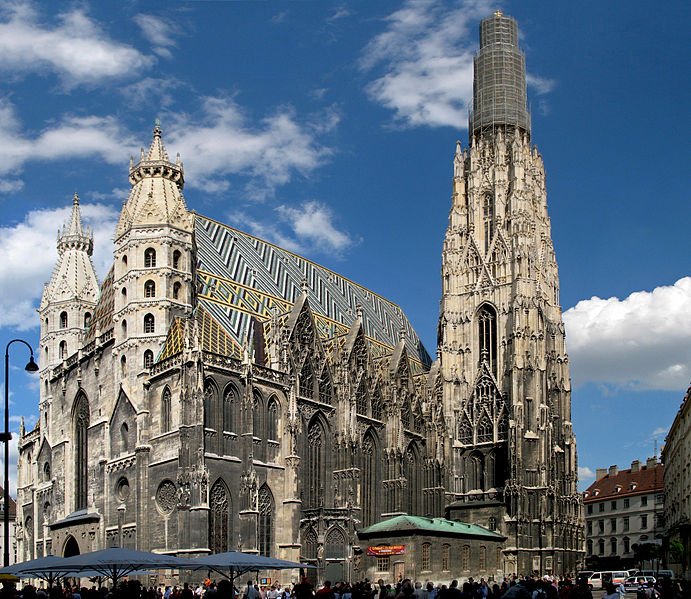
(71, 547)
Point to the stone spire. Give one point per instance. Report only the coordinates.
(156, 195)
(74, 277)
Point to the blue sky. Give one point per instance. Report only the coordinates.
(329, 128)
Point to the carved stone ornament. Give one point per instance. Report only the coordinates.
(167, 496)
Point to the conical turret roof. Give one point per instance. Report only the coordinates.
(156, 195)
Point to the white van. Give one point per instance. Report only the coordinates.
(597, 579)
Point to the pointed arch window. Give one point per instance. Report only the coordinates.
(230, 400)
(377, 404)
(487, 325)
(63, 320)
(166, 411)
(361, 397)
(272, 420)
(87, 320)
(325, 388)
(177, 259)
(266, 521)
(465, 557)
(335, 544)
(149, 323)
(125, 437)
(258, 426)
(148, 358)
(405, 413)
(369, 502)
(310, 545)
(212, 416)
(307, 380)
(176, 290)
(483, 558)
(315, 465)
(485, 430)
(63, 350)
(220, 518)
(149, 258)
(149, 289)
(412, 472)
(81, 450)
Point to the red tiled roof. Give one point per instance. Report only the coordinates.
(645, 480)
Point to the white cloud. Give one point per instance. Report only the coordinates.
(640, 342)
(306, 229)
(150, 91)
(72, 45)
(160, 33)
(585, 472)
(29, 255)
(223, 142)
(70, 137)
(541, 85)
(427, 52)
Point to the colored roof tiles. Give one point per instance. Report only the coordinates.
(402, 525)
(628, 482)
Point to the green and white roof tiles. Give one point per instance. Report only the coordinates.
(408, 525)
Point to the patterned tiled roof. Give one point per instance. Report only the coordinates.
(102, 319)
(626, 483)
(241, 276)
(435, 526)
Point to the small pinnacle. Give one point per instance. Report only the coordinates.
(157, 128)
(304, 286)
(75, 199)
(498, 13)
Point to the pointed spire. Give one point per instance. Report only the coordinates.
(157, 151)
(73, 234)
(155, 163)
(75, 227)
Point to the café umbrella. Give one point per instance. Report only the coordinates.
(238, 563)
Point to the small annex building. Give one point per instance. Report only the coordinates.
(429, 549)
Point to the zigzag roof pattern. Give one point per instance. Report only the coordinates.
(240, 276)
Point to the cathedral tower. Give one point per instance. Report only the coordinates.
(153, 260)
(503, 361)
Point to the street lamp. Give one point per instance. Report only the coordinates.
(6, 437)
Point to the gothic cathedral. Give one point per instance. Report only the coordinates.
(218, 392)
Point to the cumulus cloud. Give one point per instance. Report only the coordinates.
(305, 229)
(640, 342)
(222, 141)
(69, 137)
(22, 279)
(72, 45)
(426, 54)
(160, 33)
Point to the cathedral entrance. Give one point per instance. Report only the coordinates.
(71, 547)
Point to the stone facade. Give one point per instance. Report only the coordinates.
(217, 392)
(676, 456)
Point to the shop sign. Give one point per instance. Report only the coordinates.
(383, 550)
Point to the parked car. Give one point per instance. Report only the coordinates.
(633, 583)
(597, 579)
(657, 573)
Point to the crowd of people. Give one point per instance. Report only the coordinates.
(514, 587)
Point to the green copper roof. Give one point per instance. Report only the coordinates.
(435, 526)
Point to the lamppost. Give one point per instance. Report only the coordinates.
(6, 437)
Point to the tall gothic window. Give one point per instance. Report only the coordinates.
(166, 411)
(370, 480)
(307, 380)
(176, 259)
(361, 398)
(310, 544)
(148, 358)
(485, 430)
(325, 388)
(212, 416)
(176, 290)
(149, 323)
(220, 518)
(412, 472)
(63, 320)
(258, 428)
(405, 413)
(376, 404)
(487, 321)
(465, 557)
(149, 289)
(266, 521)
(316, 465)
(63, 350)
(125, 437)
(465, 431)
(272, 420)
(87, 319)
(335, 544)
(149, 258)
(81, 451)
(230, 399)
(483, 558)
(488, 220)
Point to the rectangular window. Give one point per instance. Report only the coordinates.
(626, 503)
(644, 521)
(627, 545)
(659, 520)
(425, 562)
(590, 527)
(625, 526)
(590, 508)
(659, 498)
(601, 507)
(644, 500)
(445, 553)
(614, 505)
(601, 526)
(383, 563)
(613, 524)
(465, 557)
(613, 546)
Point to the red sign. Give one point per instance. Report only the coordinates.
(383, 550)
